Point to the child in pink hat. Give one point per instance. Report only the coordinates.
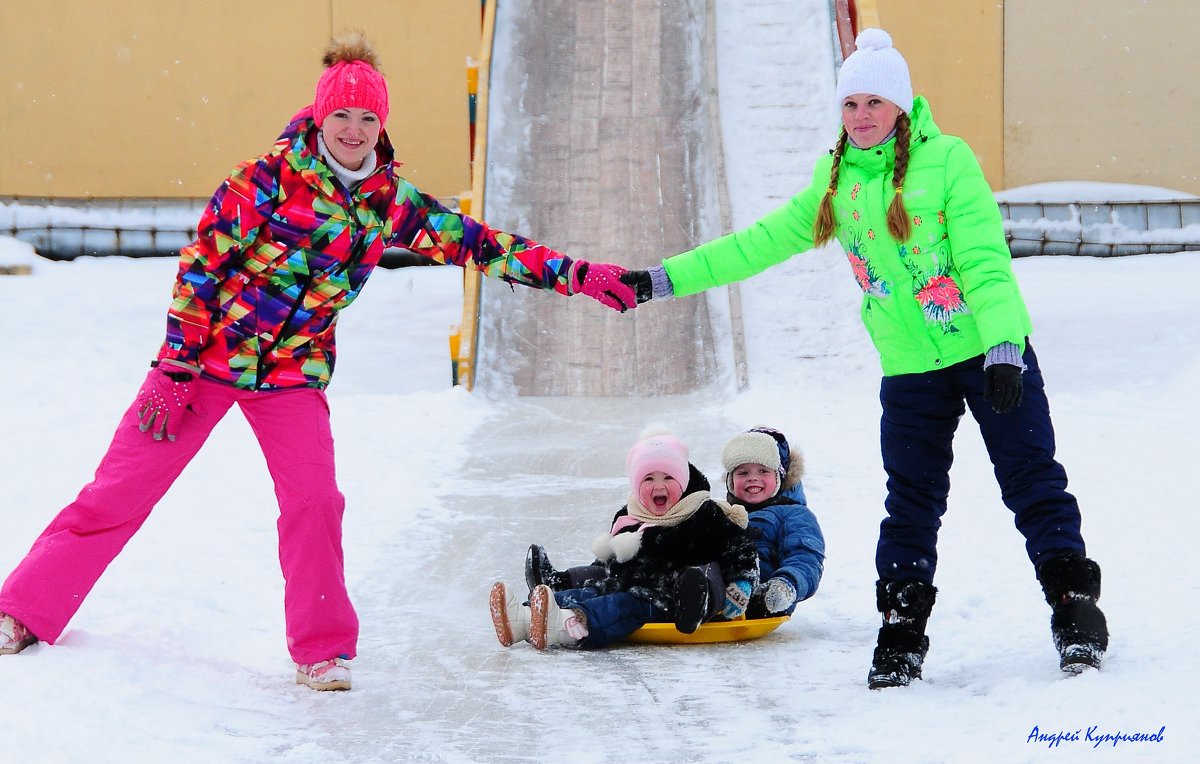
(669, 528)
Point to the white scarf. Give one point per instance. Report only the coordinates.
(349, 178)
(685, 508)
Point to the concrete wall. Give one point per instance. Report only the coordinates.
(161, 98)
(1028, 83)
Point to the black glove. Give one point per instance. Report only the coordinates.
(1003, 387)
(642, 284)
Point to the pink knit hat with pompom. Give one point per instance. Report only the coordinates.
(350, 80)
(657, 451)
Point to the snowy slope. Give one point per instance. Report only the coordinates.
(178, 654)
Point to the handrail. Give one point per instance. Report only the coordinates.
(464, 338)
(849, 18)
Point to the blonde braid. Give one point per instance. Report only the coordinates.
(898, 223)
(823, 224)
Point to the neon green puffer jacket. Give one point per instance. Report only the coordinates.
(944, 296)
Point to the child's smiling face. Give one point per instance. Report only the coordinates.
(658, 492)
(754, 483)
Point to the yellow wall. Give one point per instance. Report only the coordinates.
(161, 98)
(1092, 90)
(955, 54)
(1103, 90)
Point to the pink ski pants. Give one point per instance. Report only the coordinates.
(292, 427)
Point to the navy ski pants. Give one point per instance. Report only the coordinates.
(920, 415)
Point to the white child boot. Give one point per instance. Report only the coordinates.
(551, 625)
(510, 617)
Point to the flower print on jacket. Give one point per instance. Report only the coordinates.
(868, 280)
(939, 295)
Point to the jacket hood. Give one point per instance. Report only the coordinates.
(696, 481)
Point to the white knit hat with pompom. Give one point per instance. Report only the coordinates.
(876, 68)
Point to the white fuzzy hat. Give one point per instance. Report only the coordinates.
(876, 68)
(751, 448)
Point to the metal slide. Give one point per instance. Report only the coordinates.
(602, 142)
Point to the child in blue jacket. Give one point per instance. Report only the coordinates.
(763, 475)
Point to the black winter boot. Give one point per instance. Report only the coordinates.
(900, 651)
(1072, 586)
(691, 600)
(539, 571)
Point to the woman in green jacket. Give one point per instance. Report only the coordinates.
(923, 235)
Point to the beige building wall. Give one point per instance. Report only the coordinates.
(1103, 90)
(161, 98)
(1091, 90)
(955, 54)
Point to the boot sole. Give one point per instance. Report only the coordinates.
(340, 684)
(883, 684)
(691, 600)
(531, 566)
(497, 605)
(539, 603)
(1078, 659)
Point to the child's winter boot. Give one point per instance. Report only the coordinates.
(691, 600)
(699, 597)
(551, 625)
(14, 637)
(509, 616)
(538, 570)
(1072, 586)
(900, 652)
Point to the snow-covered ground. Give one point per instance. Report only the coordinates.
(178, 654)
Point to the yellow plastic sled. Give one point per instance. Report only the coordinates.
(714, 631)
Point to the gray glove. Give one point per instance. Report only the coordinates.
(778, 595)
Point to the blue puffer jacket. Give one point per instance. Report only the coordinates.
(789, 542)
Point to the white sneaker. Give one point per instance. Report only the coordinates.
(549, 623)
(14, 637)
(510, 617)
(326, 675)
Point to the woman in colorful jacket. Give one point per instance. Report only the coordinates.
(288, 241)
(923, 234)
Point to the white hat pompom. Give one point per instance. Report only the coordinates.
(876, 68)
(872, 39)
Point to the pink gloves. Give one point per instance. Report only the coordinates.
(602, 282)
(164, 397)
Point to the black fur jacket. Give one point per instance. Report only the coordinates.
(709, 535)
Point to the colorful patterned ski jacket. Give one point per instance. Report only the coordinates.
(283, 246)
(945, 295)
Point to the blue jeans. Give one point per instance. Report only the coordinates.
(920, 415)
(610, 617)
